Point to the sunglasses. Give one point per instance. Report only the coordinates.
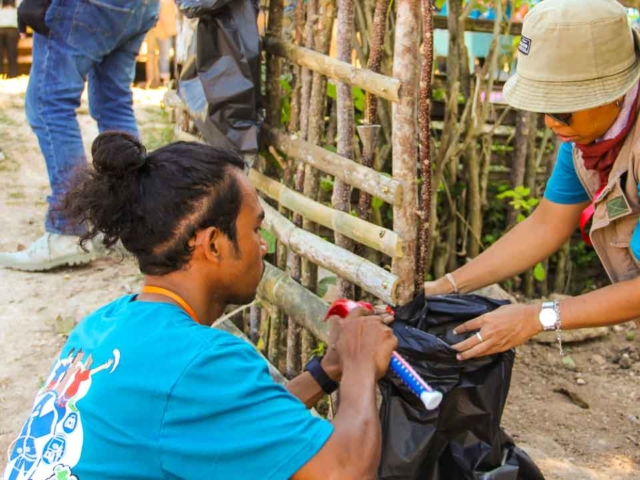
(561, 118)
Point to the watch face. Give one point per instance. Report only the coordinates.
(548, 317)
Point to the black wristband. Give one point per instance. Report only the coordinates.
(319, 375)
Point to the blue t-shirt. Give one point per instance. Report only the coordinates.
(141, 391)
(564, 187)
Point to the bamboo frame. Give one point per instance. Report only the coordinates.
(380, 85)
(368, 276)
(378, 238)
(388, 189)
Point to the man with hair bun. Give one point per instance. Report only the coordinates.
(145, 389)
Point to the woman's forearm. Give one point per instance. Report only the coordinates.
(606, 306)
(528, 243)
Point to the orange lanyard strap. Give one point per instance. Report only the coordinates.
(173, 296)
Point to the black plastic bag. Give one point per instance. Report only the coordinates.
(32, 13)
(220, 84)
(462, 438)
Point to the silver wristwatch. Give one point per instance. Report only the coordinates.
(549, 316)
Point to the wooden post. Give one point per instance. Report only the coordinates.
(405, 67)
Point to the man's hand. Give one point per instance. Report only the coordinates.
(365, 343)
(503, 329)
(332, 363)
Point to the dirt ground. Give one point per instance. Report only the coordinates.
(36, 309)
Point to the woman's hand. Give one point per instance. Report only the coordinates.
(503, 329)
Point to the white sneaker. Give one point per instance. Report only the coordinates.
(48, 252)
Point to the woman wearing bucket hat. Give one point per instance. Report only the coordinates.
(579, 64)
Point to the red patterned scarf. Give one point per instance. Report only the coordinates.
(601, 156)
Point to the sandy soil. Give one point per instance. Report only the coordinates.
(566, 441)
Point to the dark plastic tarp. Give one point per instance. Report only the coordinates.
(462, 438)
(220, 84)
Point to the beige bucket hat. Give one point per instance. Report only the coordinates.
(574, 55)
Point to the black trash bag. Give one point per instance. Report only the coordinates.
(33, 13)
(462, 438)
(220, 84)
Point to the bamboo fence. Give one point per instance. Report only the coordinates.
(295, 212)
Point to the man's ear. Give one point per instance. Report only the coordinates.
(210, 242)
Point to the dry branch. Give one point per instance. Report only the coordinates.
(274, 28)
(363, 273)
(380, 85)
(341, 196)
(424, 118)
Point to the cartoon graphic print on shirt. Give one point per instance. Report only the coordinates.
(50, 443)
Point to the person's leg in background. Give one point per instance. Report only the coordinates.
(12, 51)
(56, 83)
(82, 35)
(4, 48)
(110, 95)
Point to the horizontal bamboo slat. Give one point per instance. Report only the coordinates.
(303, 306)
(378, 238)
(375, 83)
(356, 175)
(348, 265)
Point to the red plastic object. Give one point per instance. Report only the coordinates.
(343, 306)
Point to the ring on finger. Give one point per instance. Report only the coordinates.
(479, 337)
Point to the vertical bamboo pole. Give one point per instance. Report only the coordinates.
(424, 119)
(274, 28)
(341, 198)
(405, 66)
(315, 129)
(312, 15)
(369, 136)
(294, 120)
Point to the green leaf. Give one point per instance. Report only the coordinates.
(326, 183)
(332, 91)
(539, 273)
(323, 285)
(522, 191)
(507, 194)
(520, 218)
(359, 99)
(376, 203)
(270, 238)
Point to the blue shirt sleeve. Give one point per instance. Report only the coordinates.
(226, 418)
(564, 186)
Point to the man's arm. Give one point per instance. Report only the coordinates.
(353, 450)
(307, 389)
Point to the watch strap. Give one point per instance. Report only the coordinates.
(319, 375)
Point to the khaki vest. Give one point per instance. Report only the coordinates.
(616, 210)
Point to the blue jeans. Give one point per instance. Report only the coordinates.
(94, 40)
